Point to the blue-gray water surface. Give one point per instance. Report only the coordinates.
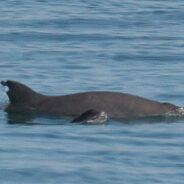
(60, 47)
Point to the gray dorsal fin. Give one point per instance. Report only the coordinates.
(20, 94)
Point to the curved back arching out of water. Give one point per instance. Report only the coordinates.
(114, 105)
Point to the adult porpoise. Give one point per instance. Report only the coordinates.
(84, 105)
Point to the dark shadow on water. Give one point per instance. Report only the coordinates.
(17, 118)
(150, 119)
(28, 118)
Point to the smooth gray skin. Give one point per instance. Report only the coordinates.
(116, 105)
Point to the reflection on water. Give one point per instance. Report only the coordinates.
(34, 118)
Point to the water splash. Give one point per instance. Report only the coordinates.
(3, 97)
(177, 112)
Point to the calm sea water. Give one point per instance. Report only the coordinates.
(60, 47)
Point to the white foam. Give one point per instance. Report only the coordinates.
(100, 118)
(177, 112)
(3, 96)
